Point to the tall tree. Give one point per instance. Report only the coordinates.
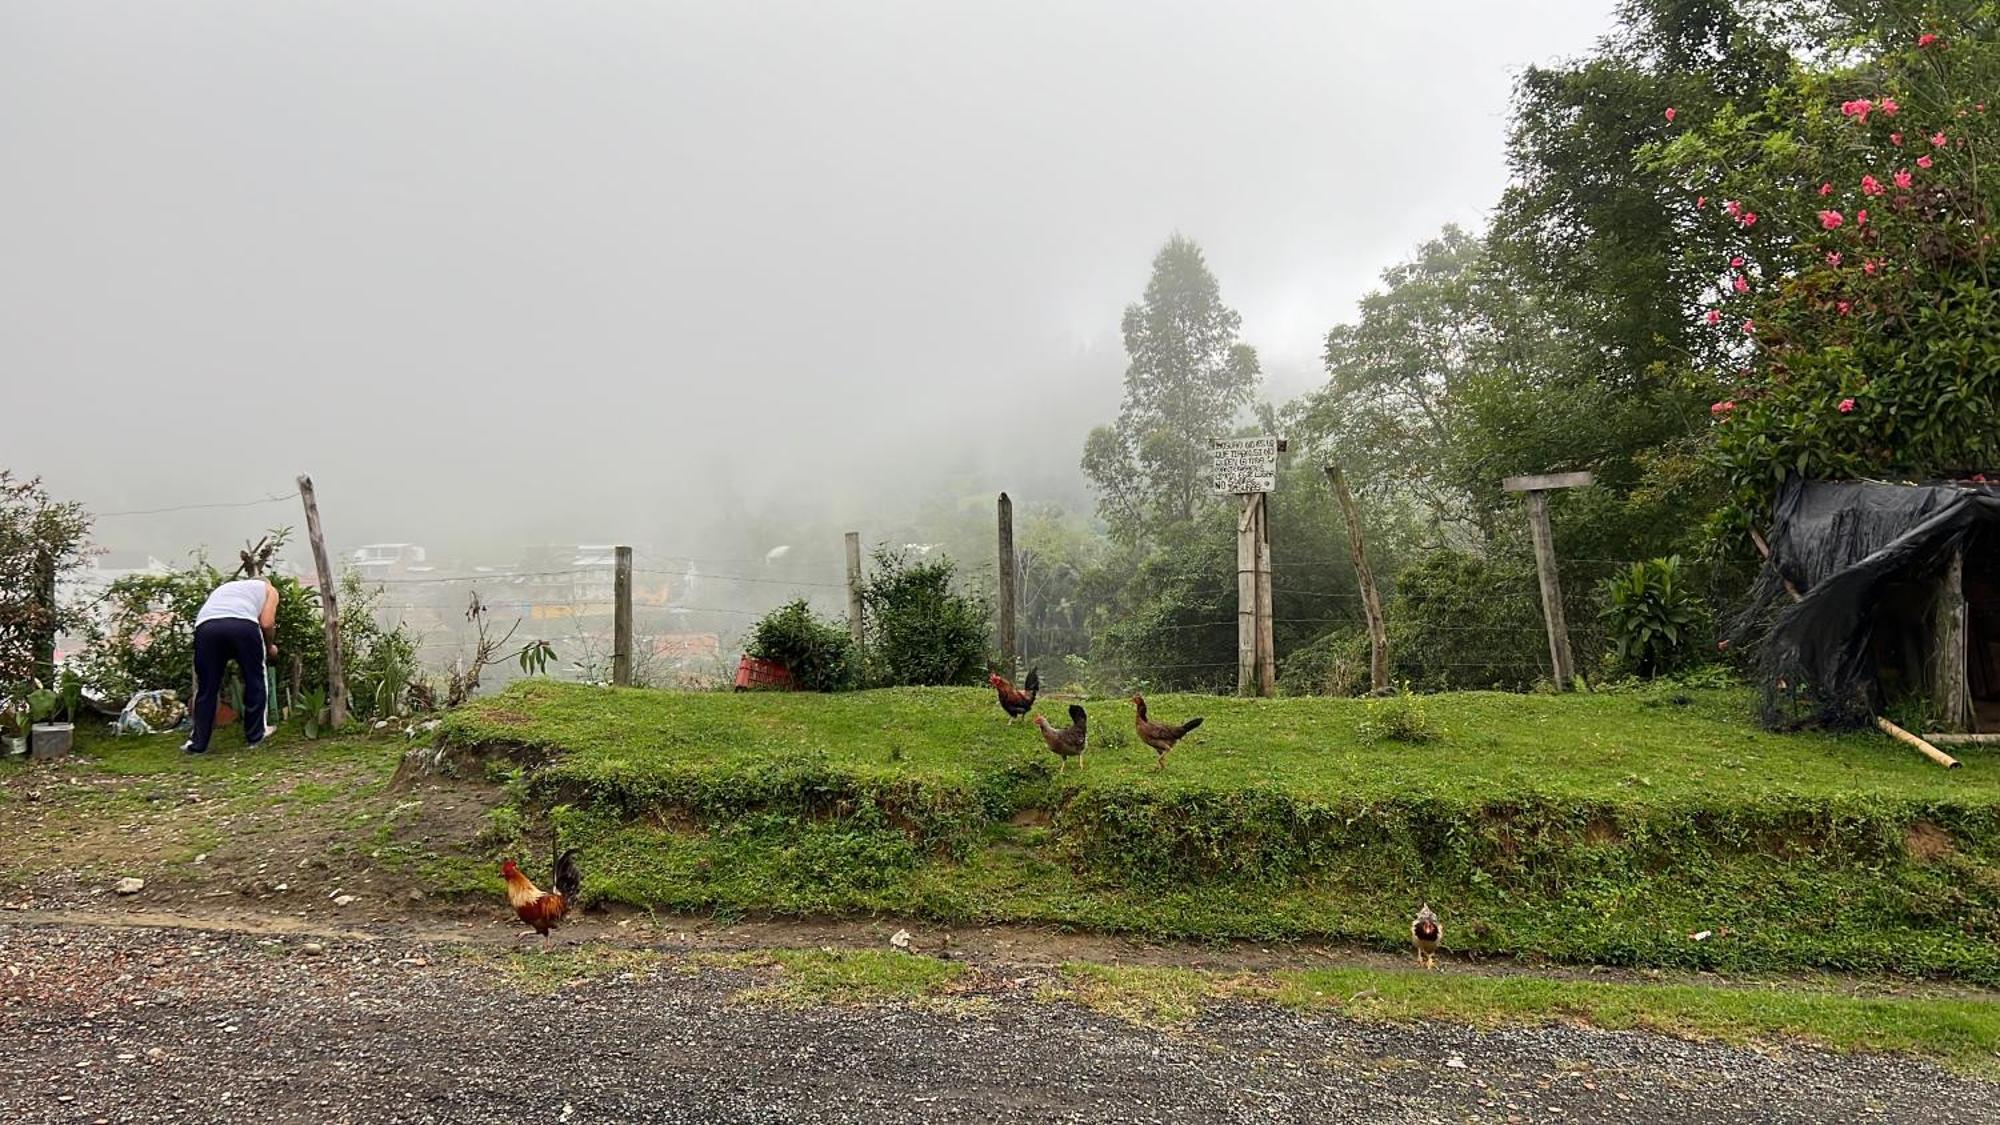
(1188, 380)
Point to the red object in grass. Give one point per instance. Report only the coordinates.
(752, 673)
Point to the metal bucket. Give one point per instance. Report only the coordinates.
(51, 740)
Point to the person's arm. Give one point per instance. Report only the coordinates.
(267, 620)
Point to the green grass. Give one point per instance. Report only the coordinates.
(1598, 828)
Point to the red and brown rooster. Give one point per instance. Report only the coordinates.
(1160, 736)
(1013, 701)
(1067, 742)
(539, 908)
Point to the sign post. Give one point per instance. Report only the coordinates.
(1537, 489)
(1248, 469)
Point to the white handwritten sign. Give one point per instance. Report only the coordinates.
(1240, 465)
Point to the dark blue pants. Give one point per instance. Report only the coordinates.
(216, 643)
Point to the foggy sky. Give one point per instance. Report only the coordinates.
(594, 271)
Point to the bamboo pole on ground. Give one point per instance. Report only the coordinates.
(1924, 748)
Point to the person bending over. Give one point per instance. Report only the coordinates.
(238, 622)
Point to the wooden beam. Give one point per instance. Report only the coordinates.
(1371, 602)
(1948, 676)
(1925, 748)
(621, 618)
(1246, 595)
(1267, 655)
(1009, 586)
(329, 609)
(1946, 738)
(1545, 482)
(1552, 605)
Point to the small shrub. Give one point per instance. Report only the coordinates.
(1651, 617)
(1400, 718)
(819, 653)
(1334, 663)
(922, 633)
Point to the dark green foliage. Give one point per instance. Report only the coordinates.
(1334, 663)
(1652, 617)
(819, 653)
(922, 632)
(1460, 620)
(42, 540)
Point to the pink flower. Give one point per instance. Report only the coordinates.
(1902, 177)
(1937, 140)
(1749, 219)
(1926, 39)
(1700, 201)
(1871, 186)
(1888, 107)
(1896, 139)
(1734, 208)
(1737, 261)
(1846, 406)
(1861, 217)
(1830, 220)
(1714, 317)
(1845, 307)
(1859, 107)
(1722, 407)
(1749, 328)
(1923, 161)
(1833, 258)
(1826, 189)
(1870, 266)
(1740, 284)
(1670, 113)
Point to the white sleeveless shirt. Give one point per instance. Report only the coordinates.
(243, 598)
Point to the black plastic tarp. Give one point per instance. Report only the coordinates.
(1841, 545)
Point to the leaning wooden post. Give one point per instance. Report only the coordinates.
(329, 610)
(621, 618)
(854, 586)
(1371, 602)
(1537, 489)
(1007, 587)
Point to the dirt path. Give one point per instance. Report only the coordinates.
(164, 1023)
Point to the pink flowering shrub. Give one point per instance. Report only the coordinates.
(1869, 294)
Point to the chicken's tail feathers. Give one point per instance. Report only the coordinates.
(1034, 681)
(568, 877)
(1078, 715)
(1191, 724)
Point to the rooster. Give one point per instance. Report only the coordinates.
(1016, 703)
(1067, 742)
(1427, 932)
(539, 908)
(1160, 736)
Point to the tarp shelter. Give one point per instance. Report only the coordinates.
(1879, 592)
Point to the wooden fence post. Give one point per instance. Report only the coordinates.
(1371, 602)
(336, 676)
(621, 618)
(1537, 489)
(1950, 676)
(854, 586)
(1246, 595)
(1008, 639)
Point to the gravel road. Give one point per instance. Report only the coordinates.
(106, 1024)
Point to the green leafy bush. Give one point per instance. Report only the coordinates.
(1399, 718)
(1334, 663)
(921, 632)
(1460, 620)
(819, 653)
(1651, 616)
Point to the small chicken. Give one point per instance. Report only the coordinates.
(1016, 703)
(1427, 932)
(1067, 742)
(1160, 736)
(539, 908)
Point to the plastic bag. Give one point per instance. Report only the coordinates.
(149, 712)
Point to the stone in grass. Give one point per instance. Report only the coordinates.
(130, 886)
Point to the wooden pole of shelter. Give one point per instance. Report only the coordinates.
(1537, 489)
(1371, 602)
(621, 618)
(1925, 748)
(1008, 589)
(854, 586)
(1949, 675)
(336, 676)
(1267, 657)
(1246, 595)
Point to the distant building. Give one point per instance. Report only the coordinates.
(381, 560)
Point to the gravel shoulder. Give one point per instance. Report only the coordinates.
(152, 1024)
